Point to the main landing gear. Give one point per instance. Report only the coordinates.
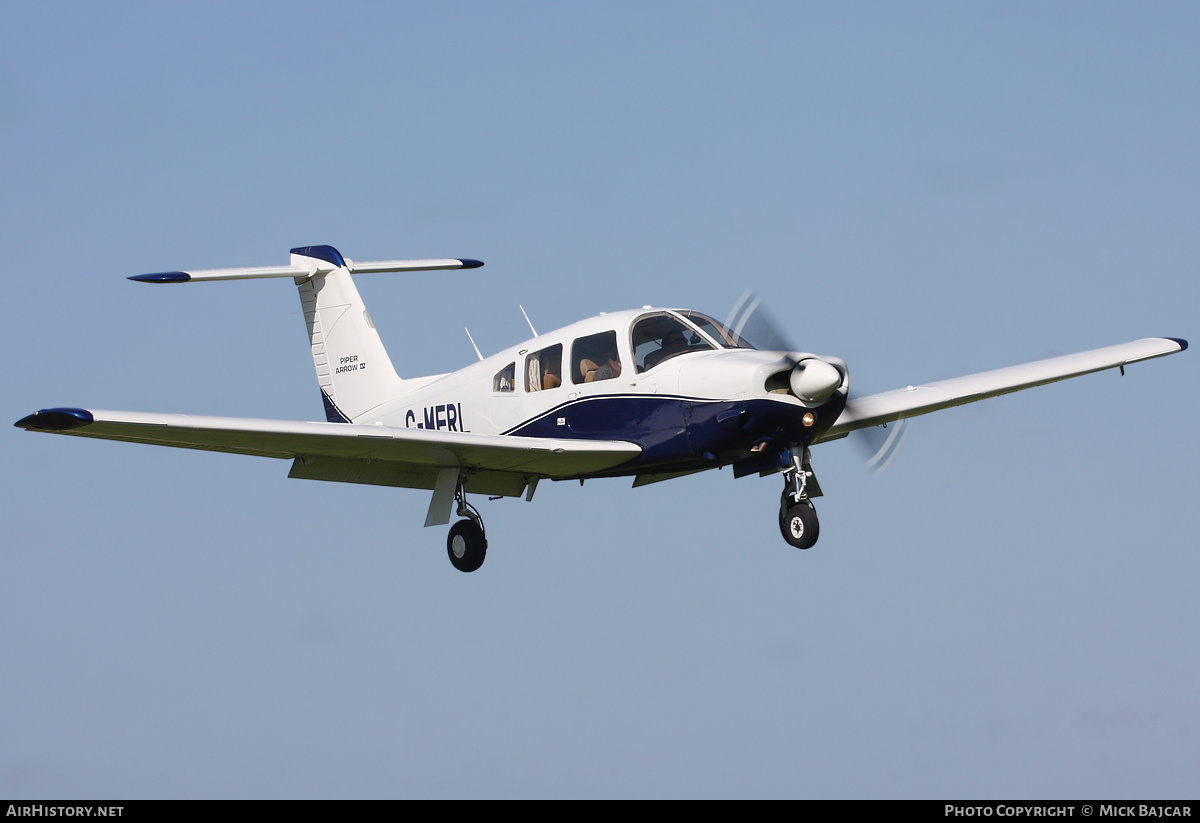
(797, 517)
(467, 541)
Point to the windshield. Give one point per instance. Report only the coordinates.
(717, 331)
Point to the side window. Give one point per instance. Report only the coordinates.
(595, 358)
(659, 337)
(543, 369)
(504, 379)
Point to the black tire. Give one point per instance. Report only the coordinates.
(798, 524)
(466, 545)
(785, 503)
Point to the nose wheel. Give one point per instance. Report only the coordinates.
(798, 523)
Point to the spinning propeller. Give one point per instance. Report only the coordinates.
(812, 379)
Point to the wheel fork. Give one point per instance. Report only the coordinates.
(795, 479)
(465, 509)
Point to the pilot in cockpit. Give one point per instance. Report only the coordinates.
(673, 343)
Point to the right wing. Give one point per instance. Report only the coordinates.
(875, 409)
(354, 453)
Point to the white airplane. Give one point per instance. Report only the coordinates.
(652, 393)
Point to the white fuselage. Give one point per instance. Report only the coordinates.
(664, 404)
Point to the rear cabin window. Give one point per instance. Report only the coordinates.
(504, 379)
(543, 369)
(659, 337)
(595, 358)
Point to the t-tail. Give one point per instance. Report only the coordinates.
(353, 368)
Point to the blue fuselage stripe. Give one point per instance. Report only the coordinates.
(675, 430)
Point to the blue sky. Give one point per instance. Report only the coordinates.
(925, 190)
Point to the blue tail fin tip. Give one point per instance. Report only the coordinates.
(327, 253)
(468, 263)
(1182, 343)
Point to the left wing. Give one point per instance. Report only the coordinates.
(354, 453)
(863, 412)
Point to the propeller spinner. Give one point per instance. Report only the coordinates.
(814, 381)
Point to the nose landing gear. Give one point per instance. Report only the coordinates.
(797, 517)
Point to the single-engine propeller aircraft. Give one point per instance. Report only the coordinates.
(652, 393)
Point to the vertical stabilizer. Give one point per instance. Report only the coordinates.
(353, 369)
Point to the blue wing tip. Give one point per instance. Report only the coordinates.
(1182, 343)
(468, 263)
(163, 277)
(55, 420)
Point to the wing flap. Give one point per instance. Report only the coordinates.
(417, 450)
(406, 475)
(863, 412)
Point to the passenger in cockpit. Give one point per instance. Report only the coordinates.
(609, 368)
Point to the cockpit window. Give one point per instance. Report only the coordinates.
(717, 331)
(659, 337)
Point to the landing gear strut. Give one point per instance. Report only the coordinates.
(797, 518)
(467, 542)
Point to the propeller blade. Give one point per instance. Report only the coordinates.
(750, 320)
(881, 444)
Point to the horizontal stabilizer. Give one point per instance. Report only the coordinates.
(320, 260)
(254, 273)
(412, 265)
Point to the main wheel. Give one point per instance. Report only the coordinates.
(798, 524)
(466, 545)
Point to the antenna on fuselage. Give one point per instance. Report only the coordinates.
(472, 339)
(527, 320)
